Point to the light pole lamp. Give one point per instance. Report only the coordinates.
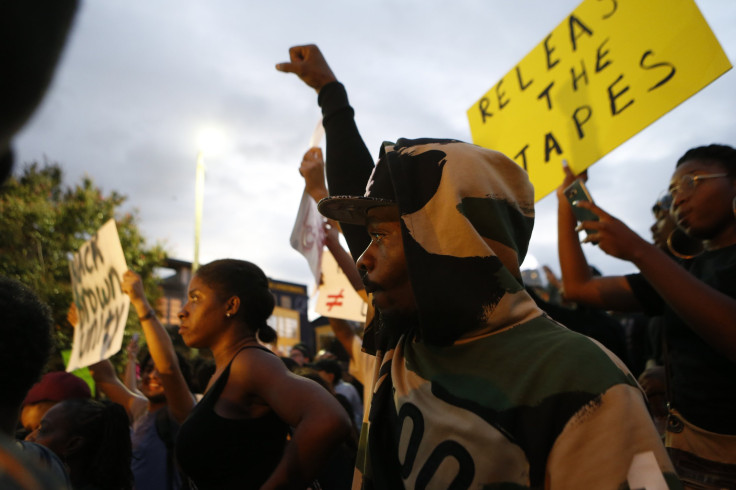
(209, 142)
(198, 205)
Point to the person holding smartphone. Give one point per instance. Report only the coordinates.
(697, 298)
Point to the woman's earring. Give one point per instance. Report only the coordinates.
(682, 246)
(228, 315)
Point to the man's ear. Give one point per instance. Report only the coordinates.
(233, 305)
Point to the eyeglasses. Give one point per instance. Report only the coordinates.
(689, 182)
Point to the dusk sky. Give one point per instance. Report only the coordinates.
(139, 80)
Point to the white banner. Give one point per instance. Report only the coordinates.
(308, 235)
(102, 306)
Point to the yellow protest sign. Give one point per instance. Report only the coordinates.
(608, 70)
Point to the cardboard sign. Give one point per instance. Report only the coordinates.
(102, 306)
(337, 298)
(606, 72)
(286, 323)
(308, 234)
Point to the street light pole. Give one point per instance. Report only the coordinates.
(198, 205)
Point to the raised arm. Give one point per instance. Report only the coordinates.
(349, 163)
(579, 285)
(180, 400)
(320, 423)
(313, 170)
(108, 383)
(131, 375)
(307, 63)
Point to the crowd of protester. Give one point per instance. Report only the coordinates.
(479, 362)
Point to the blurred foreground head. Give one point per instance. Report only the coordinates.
(32, 35)
(25, 329)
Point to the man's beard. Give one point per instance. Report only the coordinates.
(394, 324)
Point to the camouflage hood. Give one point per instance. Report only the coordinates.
(465, 212)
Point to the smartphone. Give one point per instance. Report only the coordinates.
(578, 192)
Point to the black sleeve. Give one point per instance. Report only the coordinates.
(348, 162)
(650, 300)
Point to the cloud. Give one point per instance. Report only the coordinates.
(139, 80)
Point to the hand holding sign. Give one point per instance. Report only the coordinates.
(133, 286)
(308, 237)
(72, 315)
(312, 169)
(180, 400)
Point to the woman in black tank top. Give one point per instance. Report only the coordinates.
(236, 437)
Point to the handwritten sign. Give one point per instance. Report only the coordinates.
(308, 235)
(102, 307)
(337, 298)
(606, 72)
(286, 323)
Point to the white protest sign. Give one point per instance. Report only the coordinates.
(317, 134)
(308, 235)
(337, 298)
(102, 307)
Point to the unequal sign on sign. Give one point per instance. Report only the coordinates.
(606, 72)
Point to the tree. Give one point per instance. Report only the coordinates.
(42, 223)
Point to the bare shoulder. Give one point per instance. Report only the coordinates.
(252, 367)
